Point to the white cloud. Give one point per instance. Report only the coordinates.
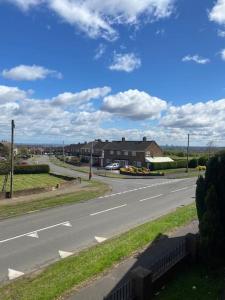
(217, 14)
(196, 58)
(29, 73)
(201, 115)
(134, 104)
(125, 62)
(25, 4)
(69, 98)
(12, 94)
(98, 18)
(99, 52)
(221, 33)
(222, 53)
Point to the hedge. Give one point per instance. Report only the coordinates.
(168, 165)
(193, 163)
(26, 169)
(31, 169)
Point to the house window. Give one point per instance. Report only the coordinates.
(111, 152)
(125, 152)
(118, 152)
(133, 153)
(148, 153)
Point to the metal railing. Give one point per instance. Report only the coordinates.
(125, 292)
(170, 259)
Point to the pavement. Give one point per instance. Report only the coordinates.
(102, 286)
(32, 241)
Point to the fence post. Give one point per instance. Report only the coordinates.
(192, 246)
(142, 280)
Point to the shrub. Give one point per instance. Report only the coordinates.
(210, 203)
(168, 165)
(31, 169)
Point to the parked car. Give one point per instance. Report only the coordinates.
(113, 166)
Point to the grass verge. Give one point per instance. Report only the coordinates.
(30, 181)
(93, 190)
(207, 285)
(60, 277)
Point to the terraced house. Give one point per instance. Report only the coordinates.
(135, 153)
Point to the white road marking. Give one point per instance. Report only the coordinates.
(64, 254)
(33, 211)
(185, 188)
(100, 239)
(13, 274)
(143, 187)
(153, 197)
(68, 224)
(33, 234)
(109, 209)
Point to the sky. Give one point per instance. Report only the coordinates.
(78, 70)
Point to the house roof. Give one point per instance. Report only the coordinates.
(96, 145)
(130, 145)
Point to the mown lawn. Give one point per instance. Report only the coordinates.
(29, 181)
(61, 276)
(93, 190)
(195, 282)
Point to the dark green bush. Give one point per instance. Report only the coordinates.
(168, 165)
(31, 169)
(210, 203)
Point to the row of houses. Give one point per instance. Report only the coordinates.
(137, 153)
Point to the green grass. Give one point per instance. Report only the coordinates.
(60, 163)
(29, 181)
(208, 285)
(93, 190)
(60, 277)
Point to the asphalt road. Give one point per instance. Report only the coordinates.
(34, 240)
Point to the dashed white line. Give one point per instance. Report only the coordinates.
(68, 224)
(185, 188)
(141, 188)
(153, 197)
(106, 210)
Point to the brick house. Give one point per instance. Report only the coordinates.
(74, 149)
(135, 153)
(97, 149)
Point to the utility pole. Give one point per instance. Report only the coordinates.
(188, 152)
(12, 158)
(63, 152)
(91, 158)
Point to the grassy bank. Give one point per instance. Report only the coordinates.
(30, 181)
(195, 283)
(93, 190)
(60, 277)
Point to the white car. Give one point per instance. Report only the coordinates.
(113, 166)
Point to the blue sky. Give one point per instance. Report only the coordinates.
(75, 70)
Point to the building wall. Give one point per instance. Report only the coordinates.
(138, 159)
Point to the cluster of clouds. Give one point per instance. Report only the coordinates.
(99, 18)
(64, 116)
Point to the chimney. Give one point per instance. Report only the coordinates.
(123, 139)
(144, 139)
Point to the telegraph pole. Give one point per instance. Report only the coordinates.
(188, 152)
(91, 158)
(12, 158)
(63, 152)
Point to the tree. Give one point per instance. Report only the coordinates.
(4, 149)
(210, 203)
